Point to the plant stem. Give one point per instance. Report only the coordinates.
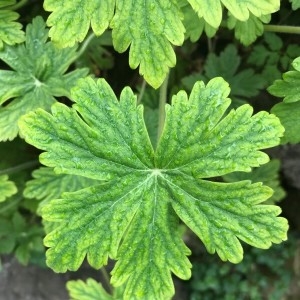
(18, 5)
(85, 45)
(161, 110)
(20, 167)
(140, 97)
(282, 28)
(106, 279)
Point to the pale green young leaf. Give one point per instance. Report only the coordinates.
(211, 10)
(7, 188)
(89, 290)
(289, 115)
(248, 31)
(150, 38)
(10, 31)
(47, 185)
(295, 4)
(288, 86)
(134, 216)
(268, 174)
(36, 78)
(70, 20)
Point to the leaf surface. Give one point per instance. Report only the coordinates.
(10, 31)
(268, 174)
(89, 290)
(134, 217)
(36, 79)
(211, 10)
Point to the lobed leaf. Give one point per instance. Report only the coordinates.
(248, 31)
(70, 20)
(89, 290)
(288, 87)
(10, 31)
(134, 217)
(289, 115)
(48, 185)
(211, 10)
(7, 188)
(36, 79)
(151, 38)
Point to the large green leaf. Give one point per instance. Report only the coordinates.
(211, 10)
(37, 77)
(134, 217)
(10, 31)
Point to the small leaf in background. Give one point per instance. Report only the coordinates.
(134, 217)
(244, 84)
(272, 57)
(289, 110)
(211, 10)
(36, 79)
(48, 185)
(89, 290)
(248, 31)
(268, 174)
(7, 188)
(10, 31)
(295, 4)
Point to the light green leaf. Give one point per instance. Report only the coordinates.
(91, 290)
(7, 188)
(211, 10)
(10, 31)
(289, 115)
(248, 31)
(37, 77)
(267, 174)
(47, 185)
(288, 87)
(194, 26)
(134, 217)
(295, 4)
(151, 38)
(70, 20)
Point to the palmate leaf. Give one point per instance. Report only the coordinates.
(10, 31)
(134, 216)
(7, 188)
(150, 38)
(289, 110)
(36, 79)
(211, 10)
